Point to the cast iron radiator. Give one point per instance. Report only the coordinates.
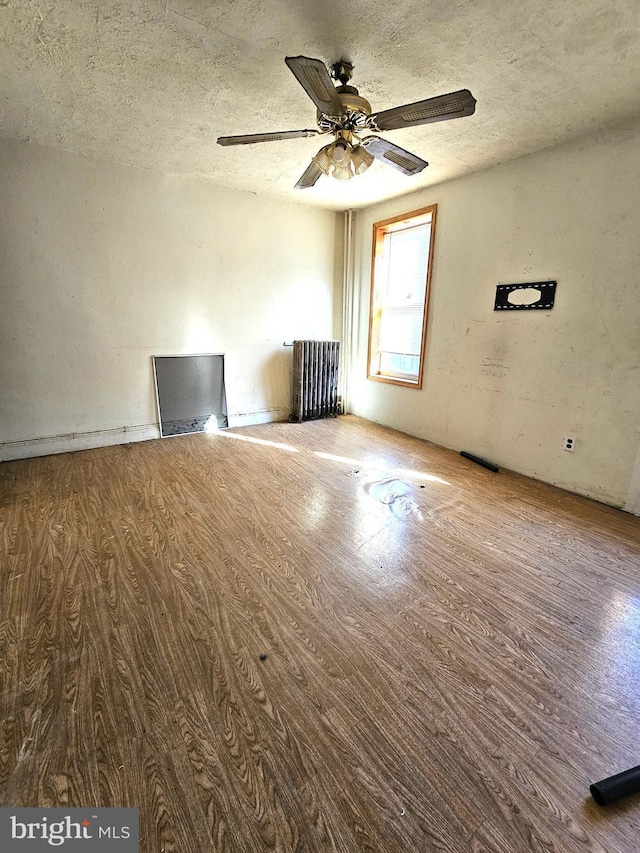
(315, 380)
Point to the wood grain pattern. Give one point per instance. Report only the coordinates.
(452, 655)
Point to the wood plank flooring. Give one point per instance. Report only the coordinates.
(452, 655)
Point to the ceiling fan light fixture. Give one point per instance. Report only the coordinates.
(341, 154)
(361, 159)
(336, 160)
(323, 160)
(340, 150)
(343, 171)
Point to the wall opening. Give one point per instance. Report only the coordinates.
(190, 393)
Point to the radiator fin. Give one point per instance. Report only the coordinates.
(315, 380)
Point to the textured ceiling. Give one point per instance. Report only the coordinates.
(153, 83)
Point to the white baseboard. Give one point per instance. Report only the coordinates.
(265, 416)
(76, 441)
(50, 445)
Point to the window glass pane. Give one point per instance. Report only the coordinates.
(401, 329)
(408, 256)
(400, 365)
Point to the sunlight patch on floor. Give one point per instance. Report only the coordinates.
(375, 464)
(212, 429)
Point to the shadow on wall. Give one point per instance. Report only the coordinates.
(275, 381)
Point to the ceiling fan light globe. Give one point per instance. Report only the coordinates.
(340, 150)
(343, 171)
(361, 159)
(323, 160)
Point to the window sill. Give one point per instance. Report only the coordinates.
(392, 380)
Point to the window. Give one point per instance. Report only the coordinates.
(400, 277)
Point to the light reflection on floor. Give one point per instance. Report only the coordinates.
(212, 429)
(366, 464)
(383, 497)
(316, 509)
(618, 653)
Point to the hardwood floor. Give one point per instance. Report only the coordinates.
(452, 655)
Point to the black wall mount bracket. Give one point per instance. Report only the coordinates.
(546, 289)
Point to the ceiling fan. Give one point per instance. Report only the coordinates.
(342, 112)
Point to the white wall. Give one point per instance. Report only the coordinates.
(102, 266)
(509, 386)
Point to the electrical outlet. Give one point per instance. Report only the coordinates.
(569, 443)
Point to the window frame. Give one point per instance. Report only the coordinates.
(380, 229)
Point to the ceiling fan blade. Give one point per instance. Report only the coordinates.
(248, 139)
(314, 78)
(442, 108)
(308, 177)
(393, 155)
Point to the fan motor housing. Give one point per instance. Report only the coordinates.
(357, 110)
(353, 101)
